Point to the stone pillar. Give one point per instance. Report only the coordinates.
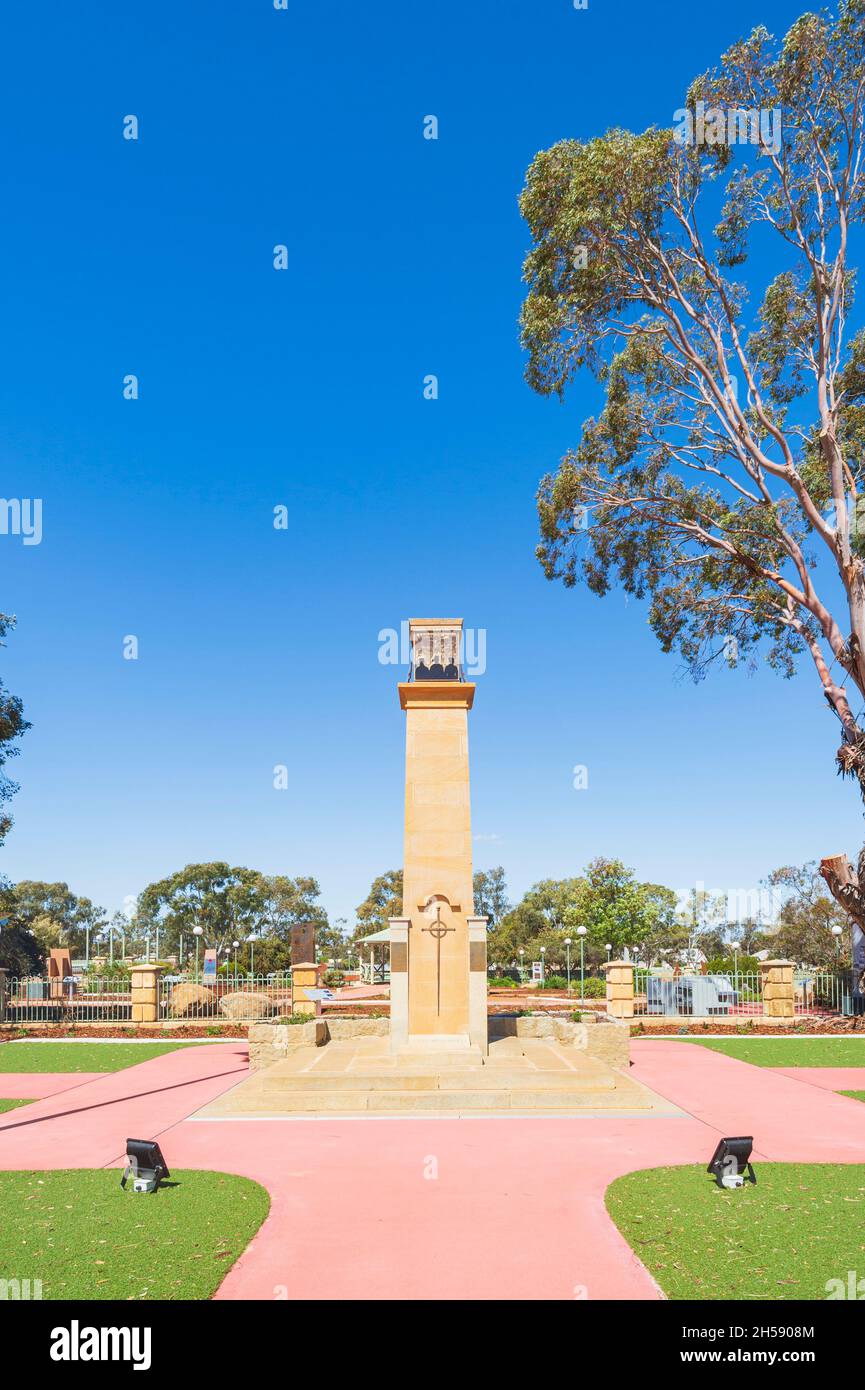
(620, 989)
(478, 982)
(2, 995)
(145, 993)
(304, 976)
(777, 980)
(399, 949)
(437, 870)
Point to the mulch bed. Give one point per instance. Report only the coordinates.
(126, 1031)
(810, 1027)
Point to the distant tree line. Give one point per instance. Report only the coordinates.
(619, 913)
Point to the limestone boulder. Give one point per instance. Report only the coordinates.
(243, 1005)
(190, 1001)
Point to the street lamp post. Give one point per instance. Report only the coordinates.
(147, 947)
(197, 932)
(568, 955)
(581, 933)
(543, 963)
(250, 940)
(236, 945)
(837, 932)
(609, 950)
(522, 965)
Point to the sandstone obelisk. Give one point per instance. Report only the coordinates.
(438, 947)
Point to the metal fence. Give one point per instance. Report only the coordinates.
(738, 994)
(95, 999)
(233, 998)
(82, 999)
(825, 992)
(697, 996)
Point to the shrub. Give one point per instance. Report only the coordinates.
(502, 982)
(334, 979)
(596, 988)
(555, 982)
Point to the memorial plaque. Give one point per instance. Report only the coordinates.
(303, 943)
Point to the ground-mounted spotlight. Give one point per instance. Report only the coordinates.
(144, 1164)
(731, 1162)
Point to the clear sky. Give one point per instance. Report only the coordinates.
(304, 388)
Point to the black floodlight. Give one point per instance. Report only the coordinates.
(144, 1164)
(731, 1162)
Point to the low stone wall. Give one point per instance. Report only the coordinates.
(271, 1042)
(603, 1038)
(341, 1028)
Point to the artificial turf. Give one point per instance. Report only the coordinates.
(800, 1227)
(84, 1237)
(12, 1104)
(788, 1052)
(80, 1056)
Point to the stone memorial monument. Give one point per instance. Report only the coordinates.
(438, 954)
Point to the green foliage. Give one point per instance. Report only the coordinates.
(502, 982)
(52, 913)
(555, 982)
(803, 932)
(12, 726)
(231, 904)
(592, 987)
(383, 901)
(725, 965)
(607, 900)
(490, 895)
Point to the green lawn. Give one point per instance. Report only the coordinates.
(12, 1104)
(80, 1056)
(788, 1052)
(86, 1238)
(802, 1225)
(854, 1095)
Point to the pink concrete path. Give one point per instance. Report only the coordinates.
(87, 1125)
(33, 1085)
(431, 1209)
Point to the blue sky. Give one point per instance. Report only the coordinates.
(303, 388)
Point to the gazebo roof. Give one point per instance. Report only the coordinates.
(383, 935)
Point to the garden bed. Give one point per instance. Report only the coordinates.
(764, 1027)
(157, 1032)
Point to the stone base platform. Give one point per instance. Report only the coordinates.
(361, 1076)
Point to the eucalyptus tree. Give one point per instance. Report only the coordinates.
(702, 271)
